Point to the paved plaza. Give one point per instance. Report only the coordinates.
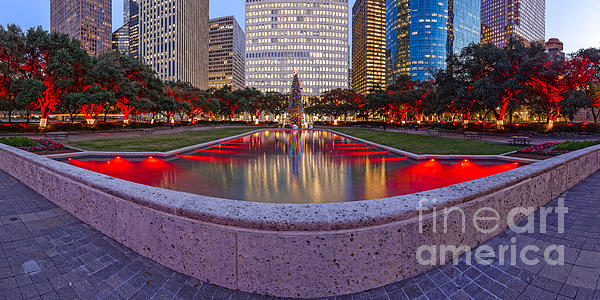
(46, 253)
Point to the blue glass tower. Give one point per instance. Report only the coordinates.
(421, 34)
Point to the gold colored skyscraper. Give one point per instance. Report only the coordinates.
(173, 39)
(368, 44)
(503, 20)
(89, 21)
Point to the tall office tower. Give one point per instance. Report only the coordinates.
(173, 37)
(503, 20)
(126, 10)
(368, 42)
(421, 34)
(133, 21)
(89, 21)
(310, 36)
(226, 53)
(120, 39)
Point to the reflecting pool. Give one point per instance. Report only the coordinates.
(294, 167)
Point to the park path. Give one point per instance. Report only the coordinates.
(46, 253)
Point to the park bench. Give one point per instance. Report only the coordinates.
(472, 135)
(56, 136)
(520, 140)
(146, 131)
(434, 132)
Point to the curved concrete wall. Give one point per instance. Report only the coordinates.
(309, 250)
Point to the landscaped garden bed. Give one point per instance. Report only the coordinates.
(37, 146)
(549, 150)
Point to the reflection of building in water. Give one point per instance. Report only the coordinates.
(283, 168)
(295, 145)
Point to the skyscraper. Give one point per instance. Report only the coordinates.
(421, 34)
(368, 42)
(127, 10)
(502, 20)
(173, 36)
(89, 21)
(310, 36)
(132, 15)
(120, 39)
(226, 53)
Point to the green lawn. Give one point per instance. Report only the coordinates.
(429, 145)
(158, 142)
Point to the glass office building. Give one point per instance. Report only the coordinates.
(421, 34)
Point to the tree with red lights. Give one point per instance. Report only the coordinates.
(190, 100)
(454, 93)
(228, 104)
(376, 102)
(276, 103)
(12, 47)
(250, 101)
(398, 98)
(49, 71)
(587, 62)
(79, 96)
(552, 84)
(139, 88)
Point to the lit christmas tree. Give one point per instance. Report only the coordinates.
(296, 109)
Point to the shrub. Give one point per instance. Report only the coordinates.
(575, 145)
(18, 142)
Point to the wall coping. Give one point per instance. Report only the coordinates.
(293, 217)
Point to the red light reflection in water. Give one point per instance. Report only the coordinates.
(362, 153)
(432, 174)
(228, 147)
(217, 151)
(355, 148)
(151, 171)
(235, 143)
(386, 159)
(349, 144)
(206, 158)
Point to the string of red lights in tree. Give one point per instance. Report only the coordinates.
(296, 108)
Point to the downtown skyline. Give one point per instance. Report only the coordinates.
(564, 18)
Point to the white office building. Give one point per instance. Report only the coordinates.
(310, 36)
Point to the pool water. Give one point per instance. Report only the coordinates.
(294, 167)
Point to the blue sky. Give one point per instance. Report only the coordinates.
(575, 22)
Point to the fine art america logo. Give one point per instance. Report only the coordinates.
(486, 221)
